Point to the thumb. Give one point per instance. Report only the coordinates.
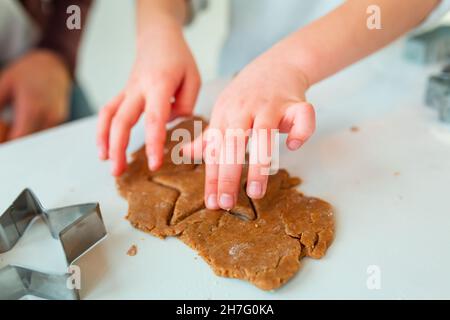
(299, 122)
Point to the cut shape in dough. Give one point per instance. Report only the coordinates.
(261, 241)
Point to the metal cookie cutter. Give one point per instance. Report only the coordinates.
(429, 47)
(438, 94)
(78, 228)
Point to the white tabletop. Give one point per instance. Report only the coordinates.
(389, 183)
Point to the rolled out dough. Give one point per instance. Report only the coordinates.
(261, 241)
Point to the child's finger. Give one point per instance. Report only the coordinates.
(123, 121)
(105, 117)
(157, 112)
(260, 155)
(211, 183)
(187, 96)
(194, 148)
(302, 119)
(211, 154)
(232, 156)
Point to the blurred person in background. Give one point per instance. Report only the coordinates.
(38, 55)
(279, 48)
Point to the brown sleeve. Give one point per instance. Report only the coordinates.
(58, 37)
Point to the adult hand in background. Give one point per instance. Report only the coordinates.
(3, 131)
(163, 84)
(37, 86)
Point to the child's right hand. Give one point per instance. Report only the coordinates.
(164, 84)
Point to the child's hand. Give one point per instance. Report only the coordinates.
(268, 94)
(164, 70)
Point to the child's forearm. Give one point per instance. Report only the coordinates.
(343, 37)
(150, 12)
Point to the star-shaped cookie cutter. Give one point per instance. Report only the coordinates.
(78, 228)
(438, 93)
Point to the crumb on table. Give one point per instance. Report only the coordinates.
(354, 129)
(132, 251)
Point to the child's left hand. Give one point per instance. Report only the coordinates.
(268, 94)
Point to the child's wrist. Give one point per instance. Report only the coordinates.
(150, 11)
(285, 52)
(158, 24)
(159, 17)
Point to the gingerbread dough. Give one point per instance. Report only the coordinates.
(261, 241)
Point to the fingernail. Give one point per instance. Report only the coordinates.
(212, 202)
(254, 189)
(226, 201)
(294, 144)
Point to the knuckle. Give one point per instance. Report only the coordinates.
(256, 172)
(266, 103)
(120, 123)
(118, 147)
(162, 76)
(154, 138)
(229, 182)
(164, 73)
(114, 150)
(211, 181)
(105, 112)
(264, 125)
(267, 119)
(153, 141)
(152, 119)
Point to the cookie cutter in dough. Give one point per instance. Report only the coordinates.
(78, 228)
(438, 94)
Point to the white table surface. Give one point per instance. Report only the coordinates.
(398, 222)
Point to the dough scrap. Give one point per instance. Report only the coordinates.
(132, 251)
(261, 241)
